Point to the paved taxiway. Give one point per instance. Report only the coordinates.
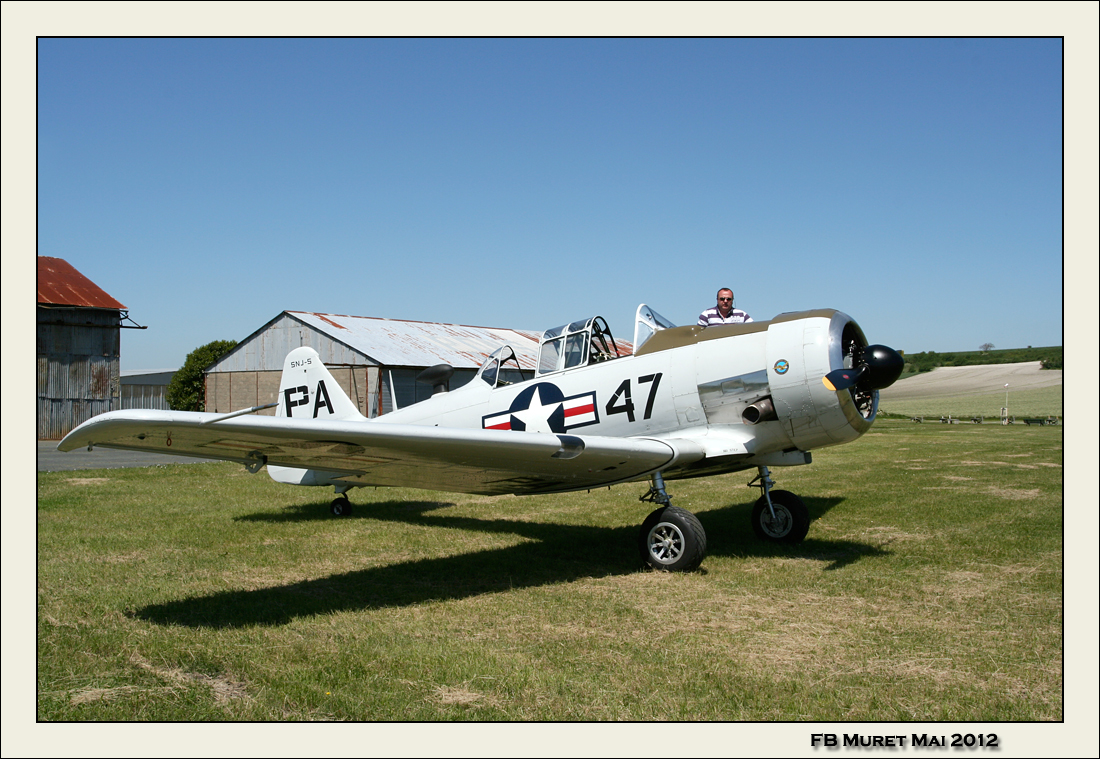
(52, 460)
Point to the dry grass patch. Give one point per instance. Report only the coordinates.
(461, 695)
(132, 557)
(91, 695)
(963, 586)
(813, 635)
(224, 687)
(1015, 494)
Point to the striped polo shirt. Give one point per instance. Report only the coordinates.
(711, 317)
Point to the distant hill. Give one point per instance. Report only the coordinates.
(926, 361)
(953, 381)
(966, 391)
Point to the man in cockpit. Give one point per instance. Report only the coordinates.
(723, 312)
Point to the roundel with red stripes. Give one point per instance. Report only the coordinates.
(544, 408)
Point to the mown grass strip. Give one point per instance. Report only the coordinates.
(929, 588)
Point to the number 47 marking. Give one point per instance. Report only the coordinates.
(626, 406)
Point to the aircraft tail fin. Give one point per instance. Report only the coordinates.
(308, 391)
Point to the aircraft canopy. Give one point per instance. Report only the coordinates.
(577, 344)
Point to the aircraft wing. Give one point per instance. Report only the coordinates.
(490, 462)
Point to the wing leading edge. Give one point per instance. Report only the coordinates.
(488, 462)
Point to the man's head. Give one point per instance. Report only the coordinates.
(725, 301)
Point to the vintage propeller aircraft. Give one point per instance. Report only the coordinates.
(687, 402)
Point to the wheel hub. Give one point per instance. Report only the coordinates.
(779, 526)
(666, 543)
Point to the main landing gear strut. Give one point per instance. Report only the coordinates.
(673, 539)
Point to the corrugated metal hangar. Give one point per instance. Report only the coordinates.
(77, 348)
(375, 360)
(145, 389)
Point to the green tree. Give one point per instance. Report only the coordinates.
(187, 391)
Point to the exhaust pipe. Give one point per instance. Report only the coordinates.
(761, 411)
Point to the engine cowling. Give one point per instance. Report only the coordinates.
(805, 348)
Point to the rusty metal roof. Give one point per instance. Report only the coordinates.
(59, 284)
(393, 342)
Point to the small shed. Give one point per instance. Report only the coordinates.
(375, 360)
(77, 348)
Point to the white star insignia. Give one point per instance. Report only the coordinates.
(536, 417)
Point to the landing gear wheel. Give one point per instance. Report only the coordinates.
(672, 538)
(340, 507)
(792, 518)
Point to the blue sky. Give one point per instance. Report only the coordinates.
(210, 184)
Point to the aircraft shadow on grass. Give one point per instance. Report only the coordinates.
(552, 554)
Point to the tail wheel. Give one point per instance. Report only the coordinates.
(791, 521)
(672, 538)
(340, 507)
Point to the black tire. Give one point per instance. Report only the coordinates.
(792, 520)
(672, 539)
(340, 507)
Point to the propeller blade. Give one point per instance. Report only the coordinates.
(842, 379)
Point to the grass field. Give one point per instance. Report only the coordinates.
(1033, 402)
(929, 588)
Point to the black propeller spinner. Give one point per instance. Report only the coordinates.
(874, 367)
